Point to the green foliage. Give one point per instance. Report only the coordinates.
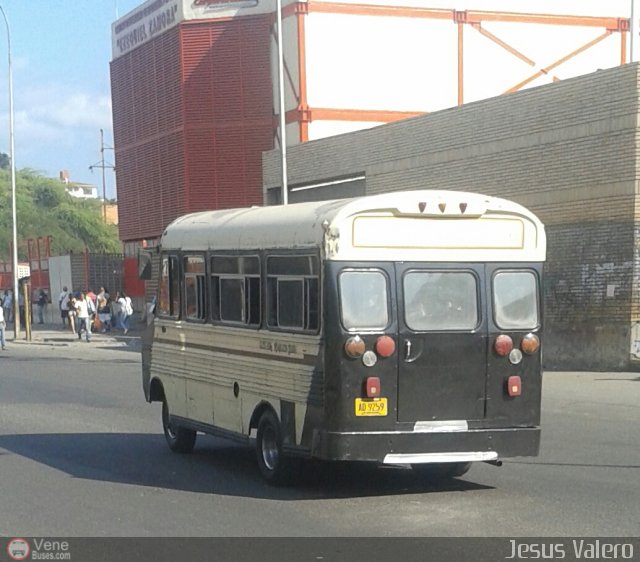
(45, 209)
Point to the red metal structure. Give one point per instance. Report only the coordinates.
(474, 20)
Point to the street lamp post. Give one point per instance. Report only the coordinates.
(281, 101)
(16, 308)
(103, 165)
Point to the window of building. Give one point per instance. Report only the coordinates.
(293, 293)
(235, 290)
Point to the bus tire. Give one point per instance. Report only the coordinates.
(276, 468)
(179, 439)
(442, 471)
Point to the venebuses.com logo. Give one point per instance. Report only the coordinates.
(18, 549)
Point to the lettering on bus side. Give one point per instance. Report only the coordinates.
(281, 348)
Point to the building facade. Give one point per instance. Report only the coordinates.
(192, 112)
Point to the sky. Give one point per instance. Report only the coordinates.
(61, 50)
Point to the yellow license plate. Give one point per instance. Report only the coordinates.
(371, 406)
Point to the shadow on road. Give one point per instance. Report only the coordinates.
(215, 467)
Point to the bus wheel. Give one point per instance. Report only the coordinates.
(442, 471)
(178, 438)
(276, 467)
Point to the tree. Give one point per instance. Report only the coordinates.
(45, 209)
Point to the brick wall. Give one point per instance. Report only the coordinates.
(568, 151)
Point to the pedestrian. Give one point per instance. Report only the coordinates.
(71, 312)
(63, 304)
(7, 304)
(43, 300)
(84, 310)
(104, 310)
(21, 308)
(126, 310)
(92, 296)
(3, 325)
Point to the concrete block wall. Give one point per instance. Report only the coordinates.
(568, 151)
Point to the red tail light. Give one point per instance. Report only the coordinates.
(372, 385)
(503, 345)
(385, 346)
(514, 386)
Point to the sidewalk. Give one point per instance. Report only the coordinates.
(57, 334)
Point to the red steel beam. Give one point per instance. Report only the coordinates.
(558, 62)
(373, 115)
(614, 24)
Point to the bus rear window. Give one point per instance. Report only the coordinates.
(515, 298)
(363, 300)
(440, 300)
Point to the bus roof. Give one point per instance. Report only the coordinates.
(424, 225)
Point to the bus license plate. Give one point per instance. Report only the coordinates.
(371, 407)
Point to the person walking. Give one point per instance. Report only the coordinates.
(7, 303)
(126, 310)
(3, 325)
(84, 307)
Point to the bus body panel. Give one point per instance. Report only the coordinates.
(209, 361)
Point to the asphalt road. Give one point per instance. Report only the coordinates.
(82, 454)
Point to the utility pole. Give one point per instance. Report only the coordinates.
(103, 166)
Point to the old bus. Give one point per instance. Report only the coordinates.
(401, 328)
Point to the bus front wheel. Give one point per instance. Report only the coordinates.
(179, 439)
(276, 467)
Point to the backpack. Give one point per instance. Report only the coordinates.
(128, 308)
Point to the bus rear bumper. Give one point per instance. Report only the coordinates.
(400, 447)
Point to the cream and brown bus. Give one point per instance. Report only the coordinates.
(401, 328)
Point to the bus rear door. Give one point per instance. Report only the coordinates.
(442, 342)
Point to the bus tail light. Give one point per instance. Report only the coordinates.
(354, 347)
(372, 385)
(514, 386)
(530, 344)
(503, 345)
(385, 346)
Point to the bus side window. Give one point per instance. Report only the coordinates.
(235, 290)
(194, 292)
(169, 287)
(293, 293)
